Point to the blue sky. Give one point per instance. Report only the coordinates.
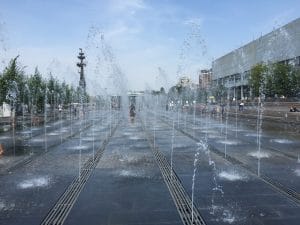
(144, 35)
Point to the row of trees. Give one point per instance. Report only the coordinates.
(275, 80)
(272, 81)
(19, 89)
(186, 94)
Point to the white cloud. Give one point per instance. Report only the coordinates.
(142, 39)
(120, 31)
(196, 21)
(127, 5)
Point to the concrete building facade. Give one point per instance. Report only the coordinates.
(233, 69)
(205, 78)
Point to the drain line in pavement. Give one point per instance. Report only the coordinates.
(58, 214)
(180, 197)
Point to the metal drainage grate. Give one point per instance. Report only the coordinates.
(277, 186)
(63, 206)
(188, 212)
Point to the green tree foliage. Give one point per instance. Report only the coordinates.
(32, 90)
(183, 94)
(69, 94)
(173, 94)
(37, 88)
(278, 79)
(282, 79)
(269, 85)
(202, 95)
(162, 91)
(12, 83)
(220, 93)
(257, 78)
(295, 82)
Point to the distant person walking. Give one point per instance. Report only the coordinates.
(241, 106)
(132, 111)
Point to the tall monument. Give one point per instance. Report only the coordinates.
(81, 65)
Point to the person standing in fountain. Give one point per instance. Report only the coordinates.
(132, 112)
(241, 106)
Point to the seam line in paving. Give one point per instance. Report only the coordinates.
(275, 185)
(62, 208)
(188, 212)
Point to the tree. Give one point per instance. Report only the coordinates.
(257, 78)
(162, 91)
(58, 93)
(37, 87)
(295, 82)
(51, 91)
(220, 93)
(12, 83)
(269, 85)
(173, 94)
(282, 82)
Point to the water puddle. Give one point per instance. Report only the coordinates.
(53, 133)
(297, 172)
(181, 146)
(6, 206)
(82, 147)
(5, 137)
(135, 138)
(223, 215)
(6, 128)
(238, 130)
(282, 141)
(229, 142)
(35, 128)
(25, 132)
(34, 182)
(231, 176)
(97, 129)
(132, 174)
(251, 135)
(228, 217)
(259, 155)
(210, 131)
(215, 136)
(37, 140)
(88, 139)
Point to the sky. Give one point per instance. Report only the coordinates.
(150, 42)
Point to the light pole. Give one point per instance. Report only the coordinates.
(52, 103)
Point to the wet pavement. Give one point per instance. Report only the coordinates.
(230, 194)
(127, 186)
(29, 191)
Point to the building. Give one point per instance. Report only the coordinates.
(205, 78)
(233, 69)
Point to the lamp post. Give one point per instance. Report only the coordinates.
(52, 103)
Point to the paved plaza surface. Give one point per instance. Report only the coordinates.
(216, 161)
